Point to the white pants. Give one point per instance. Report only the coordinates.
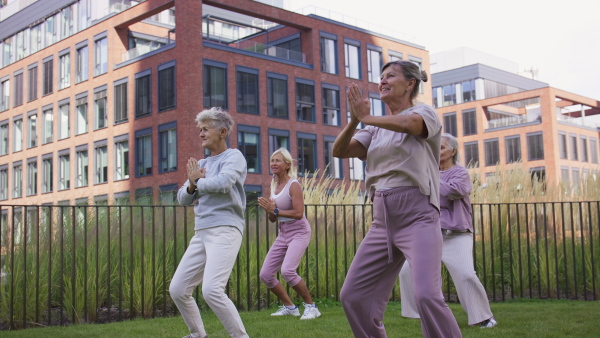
(457, 256)
(208, 260)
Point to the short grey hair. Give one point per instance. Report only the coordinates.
(216, 118)
(452, 142)
(410, 71)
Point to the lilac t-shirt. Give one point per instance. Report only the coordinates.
(455, 188)
(397, 159)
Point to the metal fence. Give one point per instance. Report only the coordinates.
(69, 264)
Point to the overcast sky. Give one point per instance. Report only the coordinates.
(560, 38)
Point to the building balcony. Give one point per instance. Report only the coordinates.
(144, 46)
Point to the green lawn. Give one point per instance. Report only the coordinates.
(531, 318)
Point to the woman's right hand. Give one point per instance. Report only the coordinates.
(359, 106)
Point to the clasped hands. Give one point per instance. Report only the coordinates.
(194, 173)
(267, 204)
(359, 106)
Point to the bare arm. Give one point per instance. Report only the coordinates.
(345, 146)
(412, 124)
(297, 211)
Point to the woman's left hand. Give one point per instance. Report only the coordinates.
(267, 204)
(359, 106)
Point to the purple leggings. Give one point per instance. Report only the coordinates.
(286, 252)
(405, 227)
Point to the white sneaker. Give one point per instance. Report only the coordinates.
(488, 323)
(310, 312)
(284, 311)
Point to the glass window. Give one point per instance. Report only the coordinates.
(35, 38)
(121, 160)
(82, 116)
(249, 145)
(82, 168)
(4, 138)
(352, 61)
(562, 145)
(305, 102)
(64, 172)
(333, 165)
(277, 98)
(82, 64)
(120, 101)
(48, 76)
(17, 181)
(492, 153)
(574, 152)
(395, 57)
(357, 168)
(18, 90)
(594, 150)
(166, 89)
(167, 137)
(278, 139)
(472, 154)
(469, 123)
(64, 63)
(583, 148)
(85, 9)
(33, 84)
(449, 94)
(48, 127)
(513, 148)
(3, 185)
(47, 175)
(64, 127)
(101, 164)
(331, 107)
(7, 52)
(51, 31)
(143, 99)
(450, 124)
(468, 91)
(307, 154)
(32, 131)
(143, 154)
(101, 57)
(66, 28)
(417, 61)
(247, 93)
(328, 56)
(374, 65)
(100, 113)
(18, 135)
(4, 95)
(535, 146)
(215, 86)
(32, 177)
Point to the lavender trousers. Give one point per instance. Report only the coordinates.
(405, 227)
(286, 252)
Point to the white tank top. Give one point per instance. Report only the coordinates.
(283, 200)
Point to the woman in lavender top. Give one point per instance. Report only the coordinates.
(401, 150)
(215, 186)
(457, 249)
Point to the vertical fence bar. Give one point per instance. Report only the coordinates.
(582, 233)
(74, 265)
(547, 252)
(120, 226)
(573, 234)
(37, 263)
(153, 247)
(519, 246)
(131, 255)
(510, 250)
(11, 310)
(592, 248)
(335, 253)
(528, 237)
(164, 260)
(492, 267)
(537, 249)
(25, 240)
(85, 266)
(481, 220)
(501, 249)
(61, 212)
(556, 274)
(327, 275)
(345, 243)
(565, 251)
(316, 251)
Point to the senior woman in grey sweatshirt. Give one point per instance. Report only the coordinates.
(215, 186)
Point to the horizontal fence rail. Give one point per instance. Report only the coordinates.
(76, 264)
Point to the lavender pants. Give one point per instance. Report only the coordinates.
(405, 227)
(286, 252)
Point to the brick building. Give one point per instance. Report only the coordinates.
(500, 117)
(98, 97)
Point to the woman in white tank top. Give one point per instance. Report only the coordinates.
(286, 206)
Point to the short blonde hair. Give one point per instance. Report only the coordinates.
(216, 118)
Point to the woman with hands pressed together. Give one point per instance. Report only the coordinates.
(401, 151)
(286, 205)
(215, 186)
